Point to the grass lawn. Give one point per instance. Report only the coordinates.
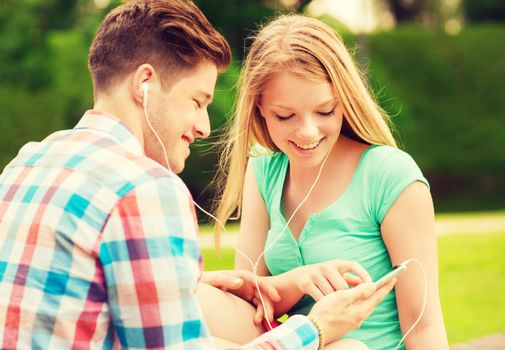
(472, 282)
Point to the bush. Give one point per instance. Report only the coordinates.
(447, 94)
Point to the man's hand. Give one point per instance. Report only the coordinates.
(344, 310)
(242, 283)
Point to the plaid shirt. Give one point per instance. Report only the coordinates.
(98, 249)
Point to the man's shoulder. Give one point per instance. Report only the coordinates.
(93, 157)
(122, 169)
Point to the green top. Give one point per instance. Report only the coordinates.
(347, 229)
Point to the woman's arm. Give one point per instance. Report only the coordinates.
(254, 226)
(409, 231)
(316, 280)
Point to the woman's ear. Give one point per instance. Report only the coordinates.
(260, 107)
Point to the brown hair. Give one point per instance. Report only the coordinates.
(173, 36)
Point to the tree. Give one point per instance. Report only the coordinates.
(484, 10)
(24, 27)
(235, 19)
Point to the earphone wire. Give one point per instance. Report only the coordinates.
(296, 209)
(425, 297)
(255, 264)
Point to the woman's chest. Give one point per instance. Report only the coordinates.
(322, 239)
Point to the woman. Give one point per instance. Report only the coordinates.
(304, 109)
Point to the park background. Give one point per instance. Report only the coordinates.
(436, 66)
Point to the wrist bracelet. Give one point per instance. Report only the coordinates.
(319, 332)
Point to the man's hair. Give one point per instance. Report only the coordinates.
(173, 36)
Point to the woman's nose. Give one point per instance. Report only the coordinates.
(307, 130)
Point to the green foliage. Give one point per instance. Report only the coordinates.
(30, 115)
(24, 52)
(236, 19)
(446, 94)
(72, 82)
(484, 10)
(25, 117)
(25, 26)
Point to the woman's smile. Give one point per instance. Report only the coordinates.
(307, 146)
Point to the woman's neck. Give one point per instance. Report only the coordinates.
(302, 177)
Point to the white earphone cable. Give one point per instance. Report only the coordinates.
(425, 297)
(256, 263)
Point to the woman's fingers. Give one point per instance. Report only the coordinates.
(351, 279)
(337, 281)
(329, 284)
(311, 289)
(351, 266)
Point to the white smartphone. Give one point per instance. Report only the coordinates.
(388, 276)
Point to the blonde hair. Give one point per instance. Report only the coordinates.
(307, 47)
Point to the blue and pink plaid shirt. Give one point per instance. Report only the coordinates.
(98, 249)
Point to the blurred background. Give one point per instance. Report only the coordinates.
(437, 67)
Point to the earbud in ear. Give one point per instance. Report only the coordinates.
(145, 93)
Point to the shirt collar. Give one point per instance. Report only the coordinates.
(112, 126)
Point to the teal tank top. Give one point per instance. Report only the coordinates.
(347, 229)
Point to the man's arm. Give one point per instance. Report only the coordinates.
(151, 261)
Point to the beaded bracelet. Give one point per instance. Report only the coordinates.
(319, 331)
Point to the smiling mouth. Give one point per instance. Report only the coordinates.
(308, 146)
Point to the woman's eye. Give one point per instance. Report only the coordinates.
(327, 113)
(283, 117)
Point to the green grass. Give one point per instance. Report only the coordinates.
(472, 282)
(230, 228)
(469, 215)
(213, 262)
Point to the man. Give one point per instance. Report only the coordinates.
(98, 245)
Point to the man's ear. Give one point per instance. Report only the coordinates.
(145, 73)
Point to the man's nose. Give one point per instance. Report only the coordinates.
(202, 126)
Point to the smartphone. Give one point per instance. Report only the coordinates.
(388, 276)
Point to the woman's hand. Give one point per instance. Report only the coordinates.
(242, 283)
(318, 280)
